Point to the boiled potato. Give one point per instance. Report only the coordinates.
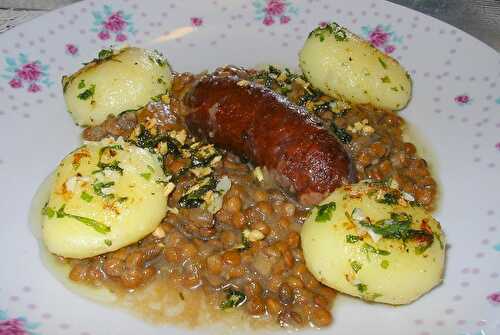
(374, 242)
(340, 63)
(115, 82)
(106, 195)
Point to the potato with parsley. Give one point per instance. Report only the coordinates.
(340, 63)
(371, 241)
(105, 195)
(114, 82)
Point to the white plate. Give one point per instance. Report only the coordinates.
(455, 110)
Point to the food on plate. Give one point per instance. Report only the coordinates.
(338, 62)
(106, 195)
(114, 82)
(259, 124)
(226, 168)
(374, 242)
(373, 137)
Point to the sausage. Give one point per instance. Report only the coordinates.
(262, 126)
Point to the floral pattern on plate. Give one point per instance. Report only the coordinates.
(382, 37)
(113, 25)
(16, 326)
(270, 12)
(21, 72)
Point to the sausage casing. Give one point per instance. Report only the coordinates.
(264, 127)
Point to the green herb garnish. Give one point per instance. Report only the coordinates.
(88, 93)
(362, 288)
(384, 65)
(390, 198)
(325, 211)
(109, 147)
(384, 264)
(96, 225)
(99, 186)
(48, 211)
(104, 54)
(110, 166)
(385, 79)
(86, 197)
(108, 242)
(338, 32)
(81, 84)
(233, 299)
(352, 238)
(146, 175)
(356, 266)
(341, 133)
(194, 199)
(367, 248)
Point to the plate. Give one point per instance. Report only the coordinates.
(454, 113)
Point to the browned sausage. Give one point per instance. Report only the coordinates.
(264, 127)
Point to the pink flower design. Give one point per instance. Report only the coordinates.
(268, 20)
(389, 49)
(196, 21)
(21, 72)
(103, 35)
(497, 145)
(494, 298)
(12, 327)
(121, 37)
(323, 24)
(29, 72)
(275, 7)
(378, 37)
(15, 83)
(115, 22)
(33, 88)
(285, 19)
(71, 49)
(462, 99)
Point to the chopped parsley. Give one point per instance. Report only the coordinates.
(420, 249)
(398, 228)
(86, 197)
(325, 211)
(81, 84)
(110, 166)
(337, 31)
(109, 147)
(104, 54)
(60, 213)
(356, 266)
(367, 249)
(245, 243)
(438, 237)
(385, 79)
(193, 198)
(384, 65)
(362, 288)
(88, 93)
(233, 299)
(146, 175)
(384, 264)
(341, 133)
(108, 242)
(352, 238)
(98, 187)
(389, 198)
(48, 211)
(158, 58)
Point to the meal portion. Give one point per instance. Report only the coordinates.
(264, 190)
